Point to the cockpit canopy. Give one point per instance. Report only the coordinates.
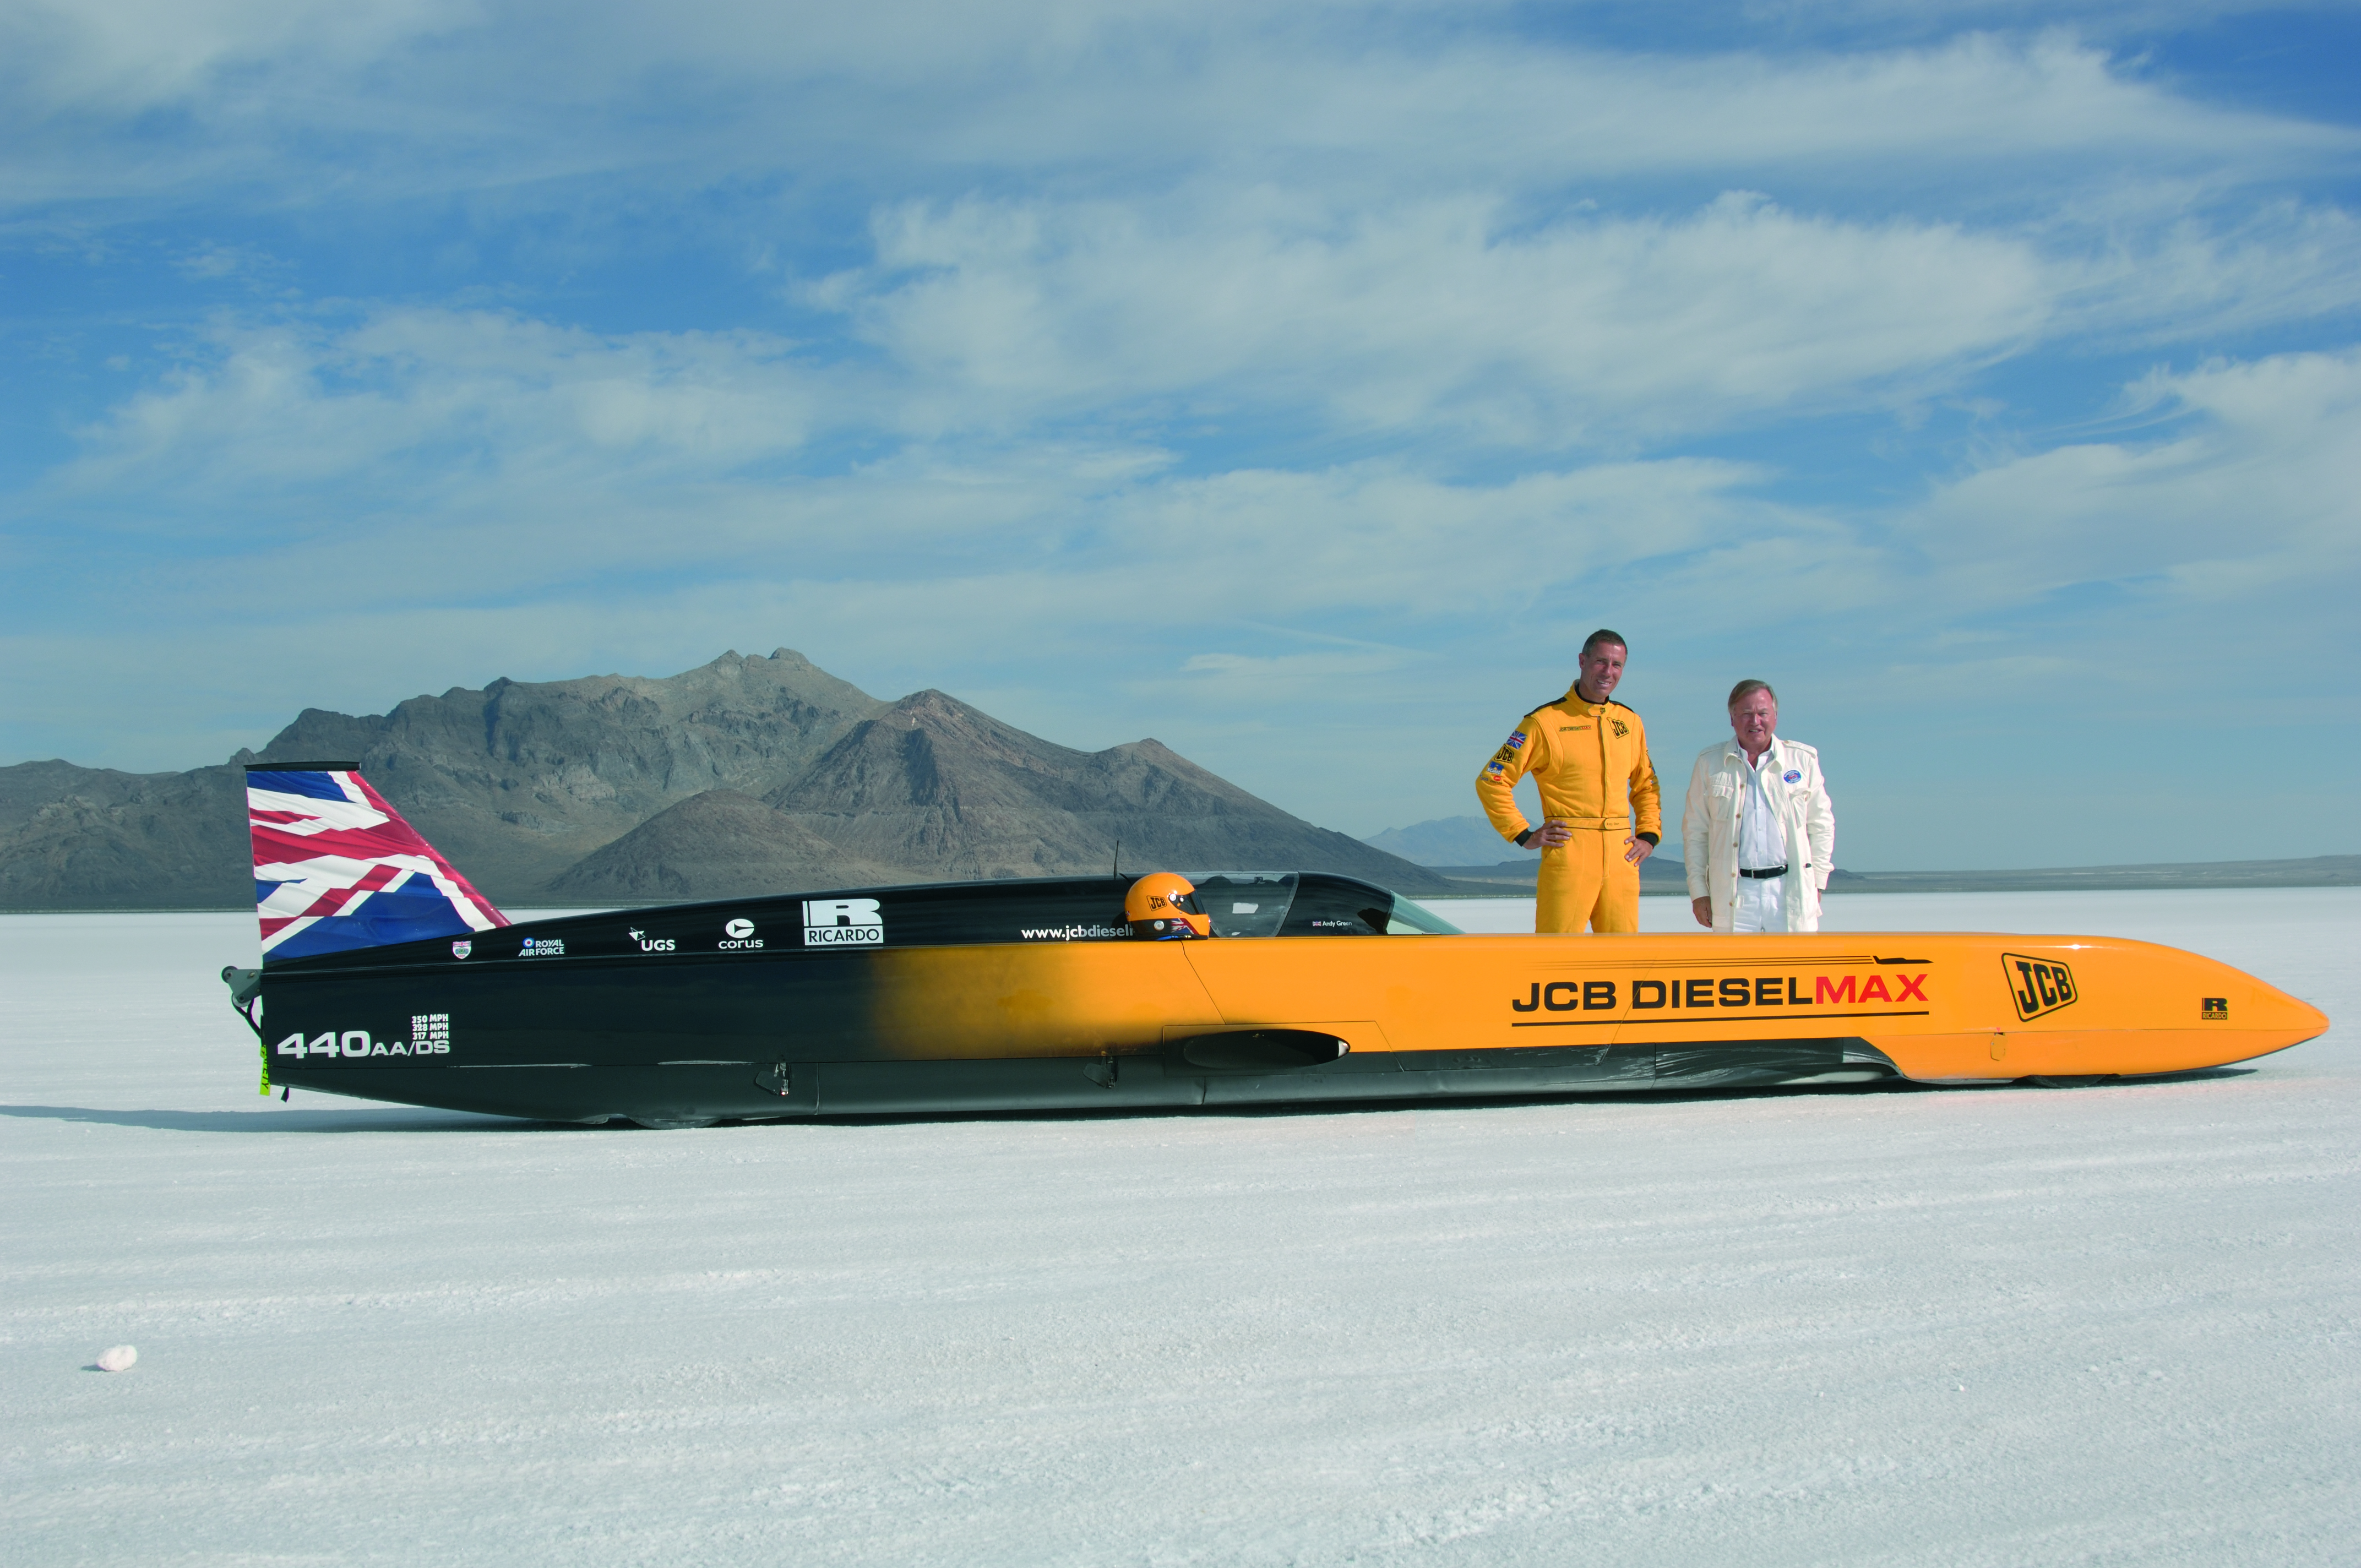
(1308, 904)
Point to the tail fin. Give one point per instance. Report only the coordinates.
(335, 867)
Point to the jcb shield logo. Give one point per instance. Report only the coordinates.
(2038, 985)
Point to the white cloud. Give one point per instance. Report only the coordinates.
(2161, 264)
(1445, 314)
(323, 103)
(134, 57)
(2259, 485)
(297, 401)
(455, 456)
(1006, 321)
(1936, 16)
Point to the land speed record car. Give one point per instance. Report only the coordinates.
(387, 976)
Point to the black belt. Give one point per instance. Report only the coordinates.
(1767, 874)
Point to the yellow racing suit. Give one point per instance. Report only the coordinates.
(1590, 759)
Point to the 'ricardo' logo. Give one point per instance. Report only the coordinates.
(843, 923)
(2038, 985)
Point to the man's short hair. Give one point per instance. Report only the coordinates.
(1745, 689)
(1603, 635)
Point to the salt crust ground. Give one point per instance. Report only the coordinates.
(2108, 1325)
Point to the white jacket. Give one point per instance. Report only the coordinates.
(1710, 828)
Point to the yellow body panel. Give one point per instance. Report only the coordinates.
(1942, 1006)
(1079, 999)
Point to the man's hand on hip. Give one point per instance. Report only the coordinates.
(1549, 835)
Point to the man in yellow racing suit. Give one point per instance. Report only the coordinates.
(1601, 814)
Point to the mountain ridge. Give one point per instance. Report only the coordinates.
(984, 799)
(587, 790)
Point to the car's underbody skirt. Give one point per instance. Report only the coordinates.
(705, 1091)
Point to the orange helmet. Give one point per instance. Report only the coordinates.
(1162, 906)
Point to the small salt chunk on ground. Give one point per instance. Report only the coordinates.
(119, 1359)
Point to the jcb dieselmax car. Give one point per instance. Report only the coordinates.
(385, 975)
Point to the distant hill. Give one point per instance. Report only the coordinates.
(1442, 841)
(2318, 870)
(1661, 874)
(1466, 850)
(1658, 874)
(95, 838)
(744, 775)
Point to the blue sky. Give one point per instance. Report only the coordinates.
(1296, 384)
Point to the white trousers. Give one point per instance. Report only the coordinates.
(1759, 904)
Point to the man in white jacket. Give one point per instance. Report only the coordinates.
(1758, 830)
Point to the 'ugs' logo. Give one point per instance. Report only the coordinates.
(2038, 985)
(843, 923)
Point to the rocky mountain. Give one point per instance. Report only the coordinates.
(934, 783)
(1467, 851)
(744, 775)
(1660, 872)
(516, 783)
(95, 838)
(720, 844)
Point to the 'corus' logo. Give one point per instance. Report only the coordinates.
(2038, 985)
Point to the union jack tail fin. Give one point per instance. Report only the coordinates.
(335, 867)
